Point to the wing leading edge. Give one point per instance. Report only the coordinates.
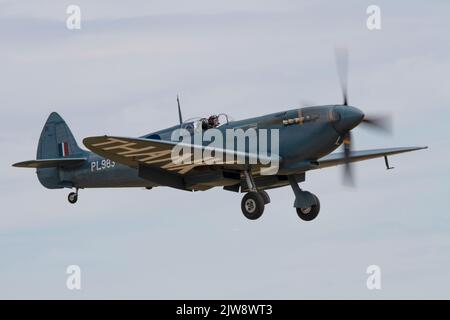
(338, 158)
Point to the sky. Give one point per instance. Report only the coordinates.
(120, 74)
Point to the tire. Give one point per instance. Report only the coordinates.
(72, 197)
(252, 205)
(265, 196)
(310, 213)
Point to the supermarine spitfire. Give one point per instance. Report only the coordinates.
(306, 138)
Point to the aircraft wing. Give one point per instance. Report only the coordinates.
(135, 152)
(334, 159)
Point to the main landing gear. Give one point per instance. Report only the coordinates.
(311, 212)
(306, 204)
(253, 203)
(73, 196)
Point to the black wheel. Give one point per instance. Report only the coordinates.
(310, 213)
(265, 196)
(252, 205)
(72, 197)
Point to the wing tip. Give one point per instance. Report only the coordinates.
(97, 137)
(89, 140)
(419, 148)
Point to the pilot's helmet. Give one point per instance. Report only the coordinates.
(213, 120)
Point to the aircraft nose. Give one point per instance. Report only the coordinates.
(349, 117)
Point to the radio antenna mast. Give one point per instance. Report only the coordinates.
(179, 110)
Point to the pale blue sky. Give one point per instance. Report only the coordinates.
(120, 75)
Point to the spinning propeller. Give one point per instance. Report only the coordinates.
(350, 117)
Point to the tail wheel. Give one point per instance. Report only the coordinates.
(309, 213)
(252, 205)
(72, 197)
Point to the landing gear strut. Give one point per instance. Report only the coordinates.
(306, 203)
(73, 196)
(253, 202)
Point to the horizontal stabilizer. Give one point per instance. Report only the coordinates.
(49, 163)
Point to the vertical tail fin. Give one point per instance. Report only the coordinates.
(57, 140)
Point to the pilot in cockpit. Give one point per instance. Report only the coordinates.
(213, 121)
(210, 123)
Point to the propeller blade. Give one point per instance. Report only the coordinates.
(348, 173)
(380, 123)
(341, 55)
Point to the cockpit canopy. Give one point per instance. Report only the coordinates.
(198, 123)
